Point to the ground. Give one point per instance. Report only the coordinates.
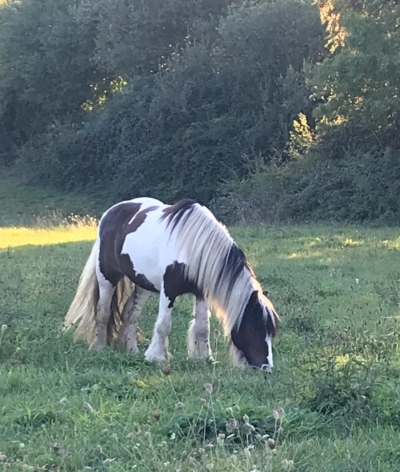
(332, 404)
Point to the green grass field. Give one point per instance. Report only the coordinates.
(337, 359)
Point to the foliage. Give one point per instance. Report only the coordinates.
(359, 187)
(202, 120)
(56, 56)
(46, 70)
(235, 103)
(139, 36)
(360, 83)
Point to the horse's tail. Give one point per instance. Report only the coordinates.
(82, 312)
(83, 309)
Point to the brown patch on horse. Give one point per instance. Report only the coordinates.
(273, 320)
(139, 279)
(120, 221)
(137, 221)
(111, 223)
(176, 283)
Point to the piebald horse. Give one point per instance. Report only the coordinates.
(145, 246)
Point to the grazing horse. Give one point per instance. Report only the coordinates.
(145, 246)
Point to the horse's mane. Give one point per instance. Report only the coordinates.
(215, 263)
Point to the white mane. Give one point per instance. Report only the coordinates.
(206, 244)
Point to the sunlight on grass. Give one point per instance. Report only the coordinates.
(392, 244)
(17, 237)
(344, 359)
(303, 255)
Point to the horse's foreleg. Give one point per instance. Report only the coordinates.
(127, 337)
(158, 349)
(103, 314)
(199, 331)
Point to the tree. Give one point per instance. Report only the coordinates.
(359, 85)
(46, 69)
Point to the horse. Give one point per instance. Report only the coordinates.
(145, 246)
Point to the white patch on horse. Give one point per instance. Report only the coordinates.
(270, 362)
(145, 248)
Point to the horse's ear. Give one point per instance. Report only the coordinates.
(265, 292)
(253, 298)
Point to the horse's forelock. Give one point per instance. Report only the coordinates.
(271, 317)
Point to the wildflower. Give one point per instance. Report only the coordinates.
(130, 435)
(231, 425)
(246, 419)
(3, 457)
(21, 445)
(208, 447)
(271, 443)
(229, 411)
(248, 429)
(209, 388)
(221, 439)
(172, 437)
(278, 413)
(3, 328)
(179, 406)
(357, 281)
(87, 406)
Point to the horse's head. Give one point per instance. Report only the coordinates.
(252, 336)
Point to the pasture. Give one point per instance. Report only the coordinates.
(332, 403)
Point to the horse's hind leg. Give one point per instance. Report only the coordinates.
(127, 336)
(103, 313)
(199, 331)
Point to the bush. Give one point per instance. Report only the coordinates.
(211, 111)
(358, 187)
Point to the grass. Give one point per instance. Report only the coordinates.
(333, 403)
